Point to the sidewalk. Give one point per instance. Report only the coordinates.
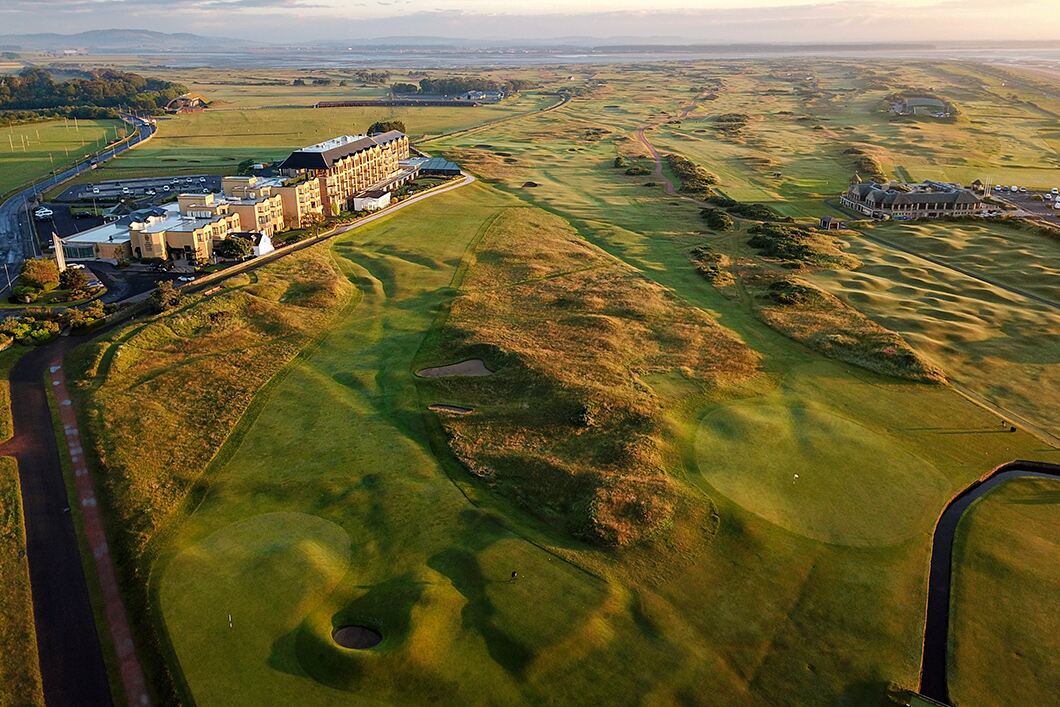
(132, 676)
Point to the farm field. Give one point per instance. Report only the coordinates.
(216, 141)
(784, 555)
(1005, 602)
(49, 145)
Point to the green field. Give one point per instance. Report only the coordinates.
(216, 141)
(792, 564)
(19, 672)
(1006, 630)
(30, 151)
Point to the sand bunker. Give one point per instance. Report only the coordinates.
(450, 409)
(357, 637)
(472, 368)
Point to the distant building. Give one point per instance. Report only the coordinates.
(827, 223)
(351, 164)
(911, 201)
(187, 103)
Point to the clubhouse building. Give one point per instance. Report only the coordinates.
(348, 166)
(903, 202)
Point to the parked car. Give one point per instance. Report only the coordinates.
(165, 188)
(186, 278)
(1055, 190)
(1023, 190)
(202, 180)
(95, 190)
(163, 267)
(94, 283)
(75, 266)
(43, 213)
(205, 191)
(150, 192)
(125, 190)
(1013, 189)
(998, 187)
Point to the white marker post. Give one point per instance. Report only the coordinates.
(229, 621)
(794, 478)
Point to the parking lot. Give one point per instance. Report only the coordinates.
(148, 189)
(1035, 203)
(62, 222)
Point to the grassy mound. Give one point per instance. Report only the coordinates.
(712, 266)
(799, 246)
(162, 397)
(823, 322)
(568, 427)
(695, 181)
(717, 219)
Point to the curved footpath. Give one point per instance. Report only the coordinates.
(933, 680)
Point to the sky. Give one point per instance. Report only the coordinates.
(713, 21)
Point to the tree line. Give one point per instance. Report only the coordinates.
(34, 89)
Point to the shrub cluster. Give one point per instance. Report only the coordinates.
(695, 181)
(717, 219)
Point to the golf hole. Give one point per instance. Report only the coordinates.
(357, 637)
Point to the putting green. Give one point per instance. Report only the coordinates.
(855, 486)
(266, 572)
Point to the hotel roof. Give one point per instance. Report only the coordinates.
(324, 154)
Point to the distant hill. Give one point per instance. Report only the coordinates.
(118, 41)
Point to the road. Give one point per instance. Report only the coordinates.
(71, 660)
(933, 678)
(17, 241)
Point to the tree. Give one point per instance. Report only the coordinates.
(41, 273)
(165, 297)
(385, 126)
(245, 167)
(73, 279)
(313, 223)
(298, 82)
(234, 248)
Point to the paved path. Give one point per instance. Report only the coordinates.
(933, 679)
(71, 660)
(132, 676)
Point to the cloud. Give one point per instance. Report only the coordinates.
(764, 21)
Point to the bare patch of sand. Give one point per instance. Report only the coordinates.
(471, 368)
(450, 409)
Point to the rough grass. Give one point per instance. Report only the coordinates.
(799, 246)
(1005, 621)
(825, 323)
(713, 266)
(163, 396)
(20, 682)
(569, 427)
